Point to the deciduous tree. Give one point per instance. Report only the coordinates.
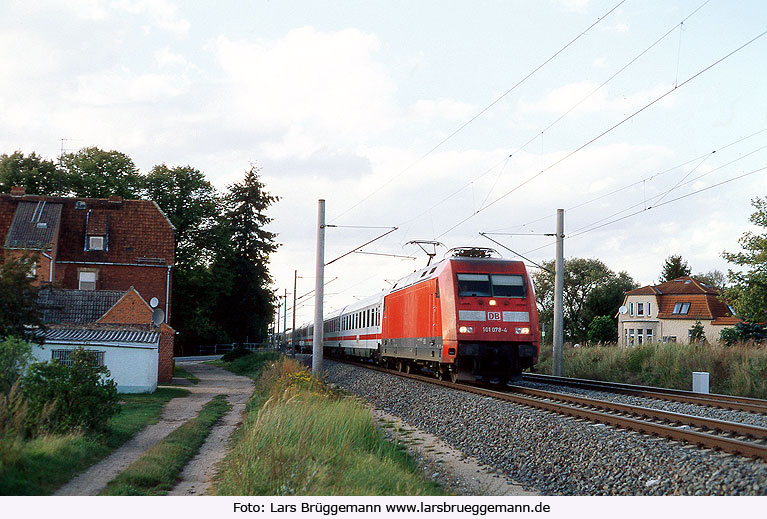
(37, 175)
(95, 173)
(590, 289)
(748, 290)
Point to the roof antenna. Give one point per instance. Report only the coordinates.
(431, 253)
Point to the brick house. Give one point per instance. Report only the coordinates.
(88, 244)
(116, 326)
(668, 311)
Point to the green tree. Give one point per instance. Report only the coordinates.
(63, 399)
(192, 204)
(15, 354)
(697, 333)
(37, 175)
(95, 173)
(247, 309)
(590, 289)
(18, 298)
(748, 287)
(714, 278)
(602, 329)
(674, 267)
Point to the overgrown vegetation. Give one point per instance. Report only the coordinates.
(40, 465)
(157, 470)
(740, 369)
(221, 284)
(302, 438)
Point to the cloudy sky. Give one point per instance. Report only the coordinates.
(444, 119)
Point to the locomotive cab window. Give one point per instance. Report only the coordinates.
(508, 285)
(476, 285)
(490, 285)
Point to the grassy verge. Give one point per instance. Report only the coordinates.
(41, 465)
(301, 438)
(157, 470)
(735, 370)
(182, 373)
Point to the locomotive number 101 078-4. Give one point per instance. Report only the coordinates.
(494, 329)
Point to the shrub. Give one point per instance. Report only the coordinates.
(62, 399)
(15, 354)
(235, 353)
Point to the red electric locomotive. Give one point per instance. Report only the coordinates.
(469, 317)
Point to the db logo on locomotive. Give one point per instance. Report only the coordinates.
(493, 316)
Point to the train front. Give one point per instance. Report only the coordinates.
(490, 320)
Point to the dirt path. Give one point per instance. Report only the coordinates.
(213, 381)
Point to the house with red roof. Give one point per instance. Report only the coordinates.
(668, 311)
(99, 246)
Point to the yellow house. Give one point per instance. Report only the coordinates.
(667, 312)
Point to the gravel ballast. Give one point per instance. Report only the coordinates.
(550, 453)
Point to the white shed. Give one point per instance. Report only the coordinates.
(131, 355)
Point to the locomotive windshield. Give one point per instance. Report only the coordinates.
(490, 285)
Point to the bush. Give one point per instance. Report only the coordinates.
(15, 354)
(235, 353)
(602, 329)
(65, 399)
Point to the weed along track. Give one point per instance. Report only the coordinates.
(738, 403)
(746, 440)
(572, 444)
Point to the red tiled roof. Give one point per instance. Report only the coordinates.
(703, 299)
(138, 231)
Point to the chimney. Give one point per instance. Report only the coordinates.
(18, 191)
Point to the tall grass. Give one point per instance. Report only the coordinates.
(38, 466)
(736, 370)
(308, 440)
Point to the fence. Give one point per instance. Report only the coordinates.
(219, 349)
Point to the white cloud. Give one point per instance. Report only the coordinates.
(120, 86)
(446, 109)
(562, 99)
(311, 89)
(161, 14)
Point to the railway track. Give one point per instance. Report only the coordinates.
(737, 403)
(731, 437)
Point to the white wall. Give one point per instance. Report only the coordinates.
(132, 366)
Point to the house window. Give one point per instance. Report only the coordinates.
(649, 314)
(87, 280)
(640, 308)
(63, 356)
(639, 336)
(32, 271)
(681, 309)
(631, 309)
(95, 243)
(649, 335)
(631, 336)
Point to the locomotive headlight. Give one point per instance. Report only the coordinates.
(522, 331)
(466, 329)
(492, 302)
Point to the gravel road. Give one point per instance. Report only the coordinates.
(213, 381)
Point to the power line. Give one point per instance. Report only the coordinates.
(647, 179)
(594, 139)
(481, 112)
(557, 120)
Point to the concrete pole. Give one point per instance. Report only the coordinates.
(293, 342)
(319, 292)
(285, 316)
(559, 285)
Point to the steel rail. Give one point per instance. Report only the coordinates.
(700, 439)
(738, 403)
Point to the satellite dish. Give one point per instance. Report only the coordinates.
(154, 302)
(623, 310)
(158, 316)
